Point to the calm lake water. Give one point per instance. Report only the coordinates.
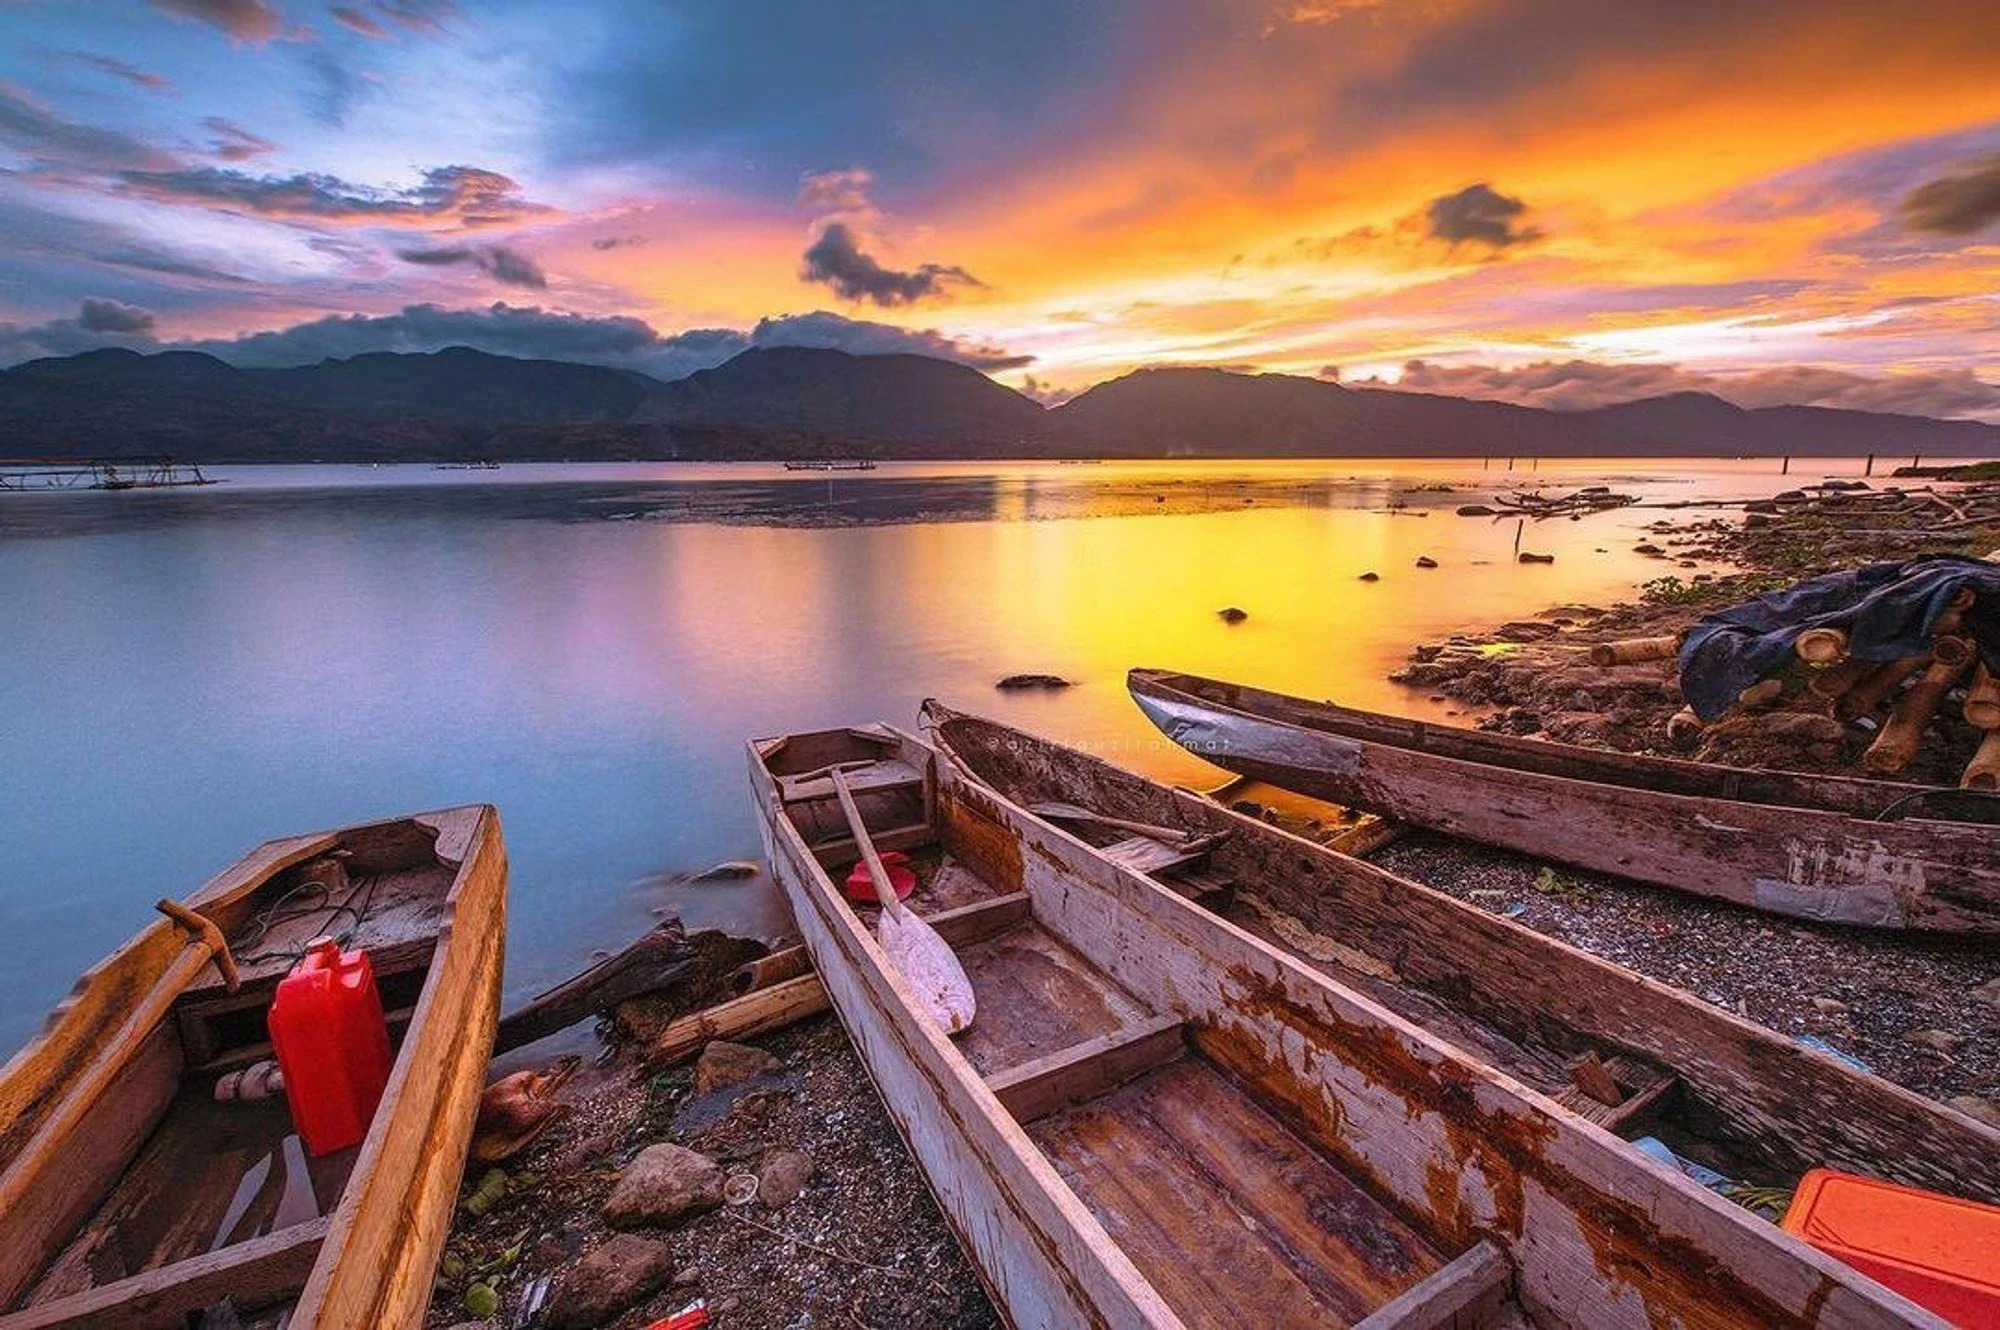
(186, 673)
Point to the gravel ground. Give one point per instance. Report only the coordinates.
(863, 1246)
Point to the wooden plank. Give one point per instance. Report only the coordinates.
(842, 850)
(1143, 854)
(884, 775)
(1783, 1108)
(755, 1013)
(1464, 1295)
(251, 1274)
(1086, 1070)
(1037, 996)
(968, 924)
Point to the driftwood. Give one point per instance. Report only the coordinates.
(1982, 700)
(765, 971)
(660, 959)
(1822, 646)
(1897, 743)
(1874, 689)
(1635, 650)
(760, 1012)
(1983, 772)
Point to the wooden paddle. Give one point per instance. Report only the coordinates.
(928, 965)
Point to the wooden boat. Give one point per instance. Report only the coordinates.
(1749, 1103)
(1158, 1119)
(1826, 848)
(132, 1198)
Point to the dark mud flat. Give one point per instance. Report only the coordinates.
(863, 1245)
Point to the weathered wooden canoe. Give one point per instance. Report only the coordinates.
(131, 1198)
(1158, 1119)
(1750, 1103)
(1826, 848)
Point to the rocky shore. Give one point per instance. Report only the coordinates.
(767, 1182)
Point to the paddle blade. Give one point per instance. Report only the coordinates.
(929, 967)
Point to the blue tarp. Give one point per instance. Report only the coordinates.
(1887, 609)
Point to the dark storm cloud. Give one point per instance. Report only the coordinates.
(1958, 204)
(837, 259)
(496, 261)
(113, 316)
(617, 242)
(525, 331)
(467, 195)
(233, 143)
(252, 21)
(845, 190)
(1478, 214)
(40, 134)
(792, 87)
(354, 19)
(119, 69)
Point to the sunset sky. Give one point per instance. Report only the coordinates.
(1563, 202)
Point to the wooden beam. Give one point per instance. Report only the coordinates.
(834, 853)
(1084, 1071)
(251, 1274)
(1463, 1295)
(982, 919)
(760, 1012)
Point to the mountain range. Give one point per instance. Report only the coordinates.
(804, 402)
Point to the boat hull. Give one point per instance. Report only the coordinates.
(1808, 863)
(92, 1110)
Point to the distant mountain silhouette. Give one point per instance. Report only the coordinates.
(794, 401)
(897, 402)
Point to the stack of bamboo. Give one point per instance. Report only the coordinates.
(1826, 691)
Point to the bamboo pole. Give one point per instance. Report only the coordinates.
(1982, 701)
(1872, 691)
(1821, 646)
(1983, 772)
(1763, 693)
(1897, 743)
(765, 971)
(1683, 726)
(1835, 681)
(760, 1012)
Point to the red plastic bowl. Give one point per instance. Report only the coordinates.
(861, 886)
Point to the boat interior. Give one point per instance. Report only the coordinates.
(1855, 796)
(1589, 1035)
(155, 1184)
(1231, 1212)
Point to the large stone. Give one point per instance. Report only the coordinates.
(610, 1279)
(664, 1185)
(1988, 992)
(723, 1064)
(783, 1175)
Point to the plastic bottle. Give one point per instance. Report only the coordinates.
(332, 1045)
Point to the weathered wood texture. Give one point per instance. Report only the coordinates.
(1464, 1295)
(382, 1248)
(250, 1274)
(1796, 860)
(1031, 1090)
(1044, 1257)
(1599, 1236)
(1773, 1102)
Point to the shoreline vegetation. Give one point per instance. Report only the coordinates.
(862, 1244)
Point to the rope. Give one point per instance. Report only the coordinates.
(280, 912)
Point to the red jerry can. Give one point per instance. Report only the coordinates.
(332, 1045)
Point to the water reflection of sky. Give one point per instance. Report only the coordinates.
(190, 673)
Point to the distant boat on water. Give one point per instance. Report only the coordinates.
(832, 464)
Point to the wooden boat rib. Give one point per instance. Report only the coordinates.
(1158, 1119)
(133, 1199)
(1743, 1100)
(1809, 846)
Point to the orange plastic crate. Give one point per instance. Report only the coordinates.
(1938, 1251)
